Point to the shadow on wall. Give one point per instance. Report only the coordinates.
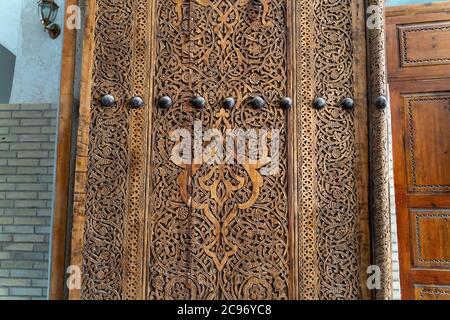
(7, 64)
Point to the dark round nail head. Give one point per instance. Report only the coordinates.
(257, 102)
(229, 103)
(381, 102)
(286, 103)
(107, 100)
(319, 103)
(137, 102)
(348, 104)
(199, 102)
(165, 102)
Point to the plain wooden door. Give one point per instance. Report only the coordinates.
(418, 68)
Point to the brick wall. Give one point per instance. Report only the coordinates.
(27, 143)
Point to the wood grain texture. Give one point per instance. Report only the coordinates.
(411, 197)
(81, 164)
(62, 174)
(418, 37)
(422, 139)
(430, 238)
(418, 74)
(424, 44)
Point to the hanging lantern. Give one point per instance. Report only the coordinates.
(48, 11)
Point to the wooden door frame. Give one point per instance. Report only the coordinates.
(63, 171)
(378, 146)
(310, 85)
(63, 222)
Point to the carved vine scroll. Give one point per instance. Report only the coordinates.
(108, 169)
(114, 209)
(306, 135)
(159, 230)
(378, 141)
(219, 231)
(337, 216)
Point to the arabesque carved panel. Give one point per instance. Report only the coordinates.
(159, 229)
(226, 224)
(337, 219)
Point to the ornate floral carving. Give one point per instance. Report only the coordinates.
(169, 227)
(134, 263)
(257, 289)
(338, 252)
(108, 169)
(113, 238)
(378, 145)
(238, 225)
(220, 232)
(306, 124)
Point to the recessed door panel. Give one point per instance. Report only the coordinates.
(428, 158)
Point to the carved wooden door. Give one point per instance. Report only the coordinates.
(163, 214)
(220, 228)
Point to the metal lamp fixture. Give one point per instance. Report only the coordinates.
(48, 11)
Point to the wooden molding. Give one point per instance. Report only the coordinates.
(379, 165)
(79, 197)
(63, 158)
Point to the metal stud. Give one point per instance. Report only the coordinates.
(165, 102)
(136, 102)
(381, 102)
(229, 103)
(319, 103)
(257, 102)
(199, 102)
(107, 100)
(286, 103)
(348, 104)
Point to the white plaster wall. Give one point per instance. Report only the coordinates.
(9, 24)
(38, 57)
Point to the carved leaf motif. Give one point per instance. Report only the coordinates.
(234, 243)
